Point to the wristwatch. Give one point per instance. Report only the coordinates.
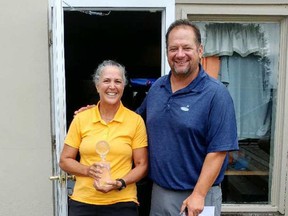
(123, 184)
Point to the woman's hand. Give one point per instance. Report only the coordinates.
(102, 180)
(108, 185)
(96, 170)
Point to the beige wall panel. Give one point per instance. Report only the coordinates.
(25, 127)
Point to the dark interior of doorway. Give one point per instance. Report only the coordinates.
(132, 38)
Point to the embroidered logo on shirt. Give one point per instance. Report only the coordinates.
(186, 109)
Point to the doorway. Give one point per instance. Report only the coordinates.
(78, 68)
(132, 38)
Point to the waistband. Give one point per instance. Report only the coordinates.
(215, 185)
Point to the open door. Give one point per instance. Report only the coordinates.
(58, 104)
(61, 75)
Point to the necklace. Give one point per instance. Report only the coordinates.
(106, 116)
(107, 120)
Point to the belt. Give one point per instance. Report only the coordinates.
(215, 185)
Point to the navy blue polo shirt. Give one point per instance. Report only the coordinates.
(186, 125)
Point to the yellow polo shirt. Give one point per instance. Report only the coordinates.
(124, 133)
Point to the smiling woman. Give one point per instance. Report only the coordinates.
(124, 131)
(90, 39)
(110, 80)
(131, 34)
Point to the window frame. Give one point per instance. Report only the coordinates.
(259, 11)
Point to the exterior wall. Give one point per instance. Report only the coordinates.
(25, 147)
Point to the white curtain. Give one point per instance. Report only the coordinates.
(225, 39)
(245, 78)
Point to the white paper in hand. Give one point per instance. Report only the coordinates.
(208, 211)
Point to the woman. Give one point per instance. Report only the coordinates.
(125, 133)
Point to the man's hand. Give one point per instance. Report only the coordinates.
(194, 204)
(83, 108)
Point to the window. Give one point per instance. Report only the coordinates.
(265, 13)
(245, 57)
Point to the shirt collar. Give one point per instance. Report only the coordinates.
(195, 86)
(119, 116)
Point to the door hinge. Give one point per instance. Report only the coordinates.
(54, 142)
(50, 38)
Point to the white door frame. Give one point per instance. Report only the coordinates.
(58, 88)
(58, 95)
(167, 7)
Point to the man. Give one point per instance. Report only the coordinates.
(191, 126)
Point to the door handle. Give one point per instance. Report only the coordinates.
(61, 178)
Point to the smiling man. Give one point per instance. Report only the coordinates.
(196, 114)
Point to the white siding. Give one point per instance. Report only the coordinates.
(25, 145)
